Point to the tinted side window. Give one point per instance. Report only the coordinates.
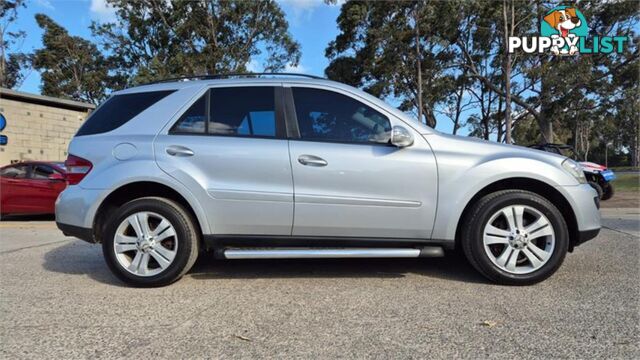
(194, 119)
(42, 172)
(119, 109)
(15, 172)
(328, 116)
(243, 111)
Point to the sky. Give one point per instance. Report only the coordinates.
(311, 22)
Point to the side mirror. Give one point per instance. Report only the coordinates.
(401, 137)
(56, 177)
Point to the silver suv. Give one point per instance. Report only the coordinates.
(296, 167)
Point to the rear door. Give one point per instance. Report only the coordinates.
(45, 190)
(349, 181)
(229, 148)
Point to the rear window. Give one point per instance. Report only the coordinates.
(119, 109)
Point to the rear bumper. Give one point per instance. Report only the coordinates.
(81, 233)
(77, 206)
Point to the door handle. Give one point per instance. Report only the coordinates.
(311, 160)
(180, 151)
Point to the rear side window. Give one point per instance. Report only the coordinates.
(246, 111)
(194, 120)
(236, 111)
(119, 109)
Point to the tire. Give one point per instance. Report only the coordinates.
(529, 266)
(164, 256)
(598, 188)
(607, 192)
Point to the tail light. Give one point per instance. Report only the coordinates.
(77, 168)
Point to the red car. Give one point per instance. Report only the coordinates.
(31, 187)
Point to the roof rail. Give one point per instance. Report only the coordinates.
(230, 75)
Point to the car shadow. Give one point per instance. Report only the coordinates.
(452, 267)
(80, 258)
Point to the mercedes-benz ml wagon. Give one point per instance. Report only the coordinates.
(282, 167)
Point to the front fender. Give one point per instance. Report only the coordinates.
(458, 185)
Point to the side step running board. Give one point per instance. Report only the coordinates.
(323, 253)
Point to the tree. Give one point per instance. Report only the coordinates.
(10, 64)
(157, 39)
(412, 54)
(395, 52)
(567, 88)
(71, 67)
(497, 72)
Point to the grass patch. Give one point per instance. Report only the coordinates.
(624, 168)
(627, 182)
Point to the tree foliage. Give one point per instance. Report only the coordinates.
(10, 63)
(71, 67)
(382, 45)
(453, 54)
(445, 61)
(156, 39)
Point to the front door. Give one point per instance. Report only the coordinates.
(349, 181)
(45, 190)
(230, 150)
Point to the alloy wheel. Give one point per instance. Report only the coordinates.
(519, 239)
(145, 243)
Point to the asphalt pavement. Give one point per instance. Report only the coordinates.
(59, 300)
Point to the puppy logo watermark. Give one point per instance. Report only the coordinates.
(564, 25)
(564, 32)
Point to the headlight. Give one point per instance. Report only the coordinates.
(575, 169)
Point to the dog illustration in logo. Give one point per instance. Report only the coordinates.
(563, 20)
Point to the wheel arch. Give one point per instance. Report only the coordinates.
(528, 184)
(136, 190)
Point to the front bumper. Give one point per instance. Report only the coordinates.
(585, 207)
(584, 203)
(584, 236)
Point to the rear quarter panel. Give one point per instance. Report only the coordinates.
(125, 154)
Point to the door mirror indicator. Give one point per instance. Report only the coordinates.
(401, 137)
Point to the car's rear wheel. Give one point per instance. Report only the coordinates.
(150, 242)
(515, 237)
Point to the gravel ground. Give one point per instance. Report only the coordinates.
(58, 300)
(623, 199)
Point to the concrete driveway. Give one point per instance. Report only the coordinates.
(58, 300)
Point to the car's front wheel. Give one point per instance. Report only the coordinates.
(515, 237)
(150, 242)
(607, 192)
